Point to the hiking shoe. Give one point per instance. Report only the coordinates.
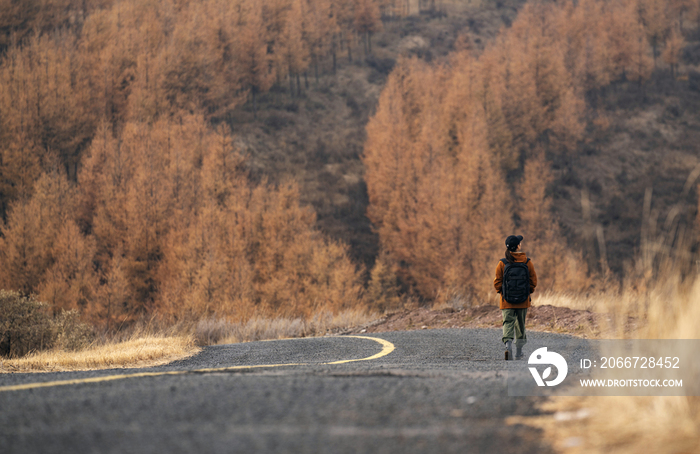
(518, 352)
(509, 350)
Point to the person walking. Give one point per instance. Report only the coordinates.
(515, 280)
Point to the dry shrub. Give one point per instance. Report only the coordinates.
(71, 334)
(594, 302)
(210, 331)
(452, 299)
(26, 325)
(325, 321)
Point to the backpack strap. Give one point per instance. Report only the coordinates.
(528, 259)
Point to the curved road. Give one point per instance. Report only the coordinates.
(413, 391)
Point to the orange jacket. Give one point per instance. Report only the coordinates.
(498, 281)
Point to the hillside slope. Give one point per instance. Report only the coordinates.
(646, 143)
(317, 139)
(643, 139)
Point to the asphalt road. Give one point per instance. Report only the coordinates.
(435, 391)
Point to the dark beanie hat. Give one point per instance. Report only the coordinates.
(513, 241)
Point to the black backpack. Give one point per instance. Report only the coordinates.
(516, 282)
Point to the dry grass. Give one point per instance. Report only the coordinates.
(619, 424)
(593, 303)
(634, 424)
(141, 351)
(217, 331)
(143, 348)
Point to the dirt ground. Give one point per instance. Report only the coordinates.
(547, 318)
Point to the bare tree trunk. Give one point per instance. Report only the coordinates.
(335, 45)
(109, 314)
(255, 105)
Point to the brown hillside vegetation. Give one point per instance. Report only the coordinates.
(463, 153)
(124, 191)
(316, 136)
(175, 226)
(138, 138)
(157, 212)
(139, 61)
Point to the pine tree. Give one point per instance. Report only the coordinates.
(70, 282)
(112, 296)
(29, 243)
(683, 9)
(344, 13)
(654, 17)
(641, 63)
(671, 53)
(256, 71)
(558, 267)
(367, 21)
(293, 49)
(319, 27)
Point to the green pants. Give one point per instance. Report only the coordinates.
(514, 325)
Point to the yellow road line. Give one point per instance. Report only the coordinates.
(387, 347)
(77, 381)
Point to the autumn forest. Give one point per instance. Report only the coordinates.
(124, 193)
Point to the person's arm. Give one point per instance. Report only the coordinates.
(533, 276)
(498, 280)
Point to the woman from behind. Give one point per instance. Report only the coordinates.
(515, 281)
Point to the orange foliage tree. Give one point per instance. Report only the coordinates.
(294, 52)
(671, 54)
(367, 21)
(654, 16)
(180, 229)
(42, 250)
(436, 198)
